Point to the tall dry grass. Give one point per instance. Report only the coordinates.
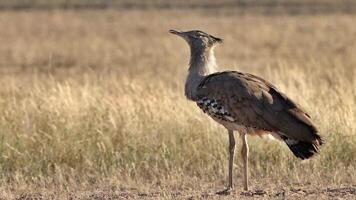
(95, 99)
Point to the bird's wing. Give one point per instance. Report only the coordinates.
(254, 102)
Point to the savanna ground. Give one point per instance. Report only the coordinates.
(92, 104)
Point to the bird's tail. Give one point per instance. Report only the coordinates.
(304, 149)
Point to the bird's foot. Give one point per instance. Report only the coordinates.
(252, 193)
(247, 193)
(227, 191)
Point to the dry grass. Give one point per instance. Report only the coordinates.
(93, 101)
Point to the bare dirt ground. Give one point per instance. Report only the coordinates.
(345, 192)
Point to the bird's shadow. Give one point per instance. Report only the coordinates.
(230, 191)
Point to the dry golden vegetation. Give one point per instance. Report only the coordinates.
(264, 6)
(92, 104)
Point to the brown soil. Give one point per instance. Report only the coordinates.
(348, 192)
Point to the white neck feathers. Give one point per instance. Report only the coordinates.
(202, 63)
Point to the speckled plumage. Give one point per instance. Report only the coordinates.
(215, 109)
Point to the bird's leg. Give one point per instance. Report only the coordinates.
(244, 152)
(231, 163)
(231, 156)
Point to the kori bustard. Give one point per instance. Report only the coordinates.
(245, 103)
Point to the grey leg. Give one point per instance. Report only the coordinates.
(231, 156)
(231, 163)
(244, 153)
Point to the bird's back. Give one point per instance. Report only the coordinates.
(241, 99)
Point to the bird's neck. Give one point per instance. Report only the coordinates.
(201, 64)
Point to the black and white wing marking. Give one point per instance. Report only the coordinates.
(215, 109)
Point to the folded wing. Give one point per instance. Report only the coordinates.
(255, 103)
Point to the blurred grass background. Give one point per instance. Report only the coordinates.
(264, 6)
(94, 97)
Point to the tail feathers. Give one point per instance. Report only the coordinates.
(303, 149)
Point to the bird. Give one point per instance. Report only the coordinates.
(244, 103)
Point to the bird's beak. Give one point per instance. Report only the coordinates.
(175, 32)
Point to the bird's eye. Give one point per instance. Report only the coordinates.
(197, 36)
(200, 35)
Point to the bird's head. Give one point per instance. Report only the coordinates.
(198, 39)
